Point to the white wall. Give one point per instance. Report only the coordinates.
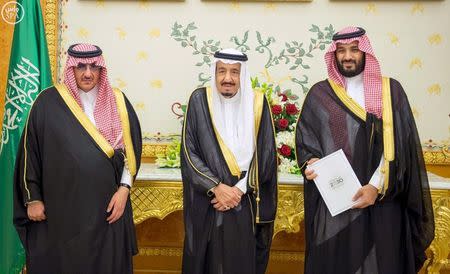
(410, 39)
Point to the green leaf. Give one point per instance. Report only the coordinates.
(293, 67)
(313, 40)
(309, 55)
(322, 46)
(291, 50)
(306, 66)
(206, 59)
(258, 36)
(184, 44)
(192, 38)
(287, 45)
(191, 26)
(301, 52)
(199, 64)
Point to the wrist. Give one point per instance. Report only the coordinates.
(125, 186)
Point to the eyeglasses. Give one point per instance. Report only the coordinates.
(84, 67)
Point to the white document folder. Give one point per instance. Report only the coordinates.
(336, 181)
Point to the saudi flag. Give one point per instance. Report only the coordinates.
(29, 73)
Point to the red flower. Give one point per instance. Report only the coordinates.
(283, 124)
(284, 99)
(277, 109)
(285, 150)
(291, 109)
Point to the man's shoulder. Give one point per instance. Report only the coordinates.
(45, 95)
(318, 89)
(394, 82)
(398, 94)
(197, 95)
(321, 85)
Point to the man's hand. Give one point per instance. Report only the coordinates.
(226, 197)
(117, 204)
(36, 211)
(309, 173)
(365, 196)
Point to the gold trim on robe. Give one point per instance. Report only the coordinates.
(187, 153)
(388, 123)
(347, 100)
(126, 131)
(257, 110)
(226, 152)
(388, 132)
(84, 120)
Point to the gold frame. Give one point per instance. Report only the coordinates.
(158, 199)
(431, 157)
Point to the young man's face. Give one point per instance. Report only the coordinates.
(87, 76)
(349, 59)
(228, 78)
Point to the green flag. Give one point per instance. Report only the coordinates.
(29, 73)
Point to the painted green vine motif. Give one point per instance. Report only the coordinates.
(241, 44)
(294, 52)
(204, 49)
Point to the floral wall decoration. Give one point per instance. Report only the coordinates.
(283, 102)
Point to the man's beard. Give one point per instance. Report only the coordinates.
(359, 67)
(228, 94)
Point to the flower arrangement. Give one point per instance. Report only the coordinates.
(284, 113)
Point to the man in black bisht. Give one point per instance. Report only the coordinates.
(229, 171)
(78, 156)
(367, 116)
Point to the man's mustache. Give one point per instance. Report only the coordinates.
(227, 83)
(348, 61)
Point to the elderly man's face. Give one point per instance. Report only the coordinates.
(349, 59)
(87, 76)
(228, 78)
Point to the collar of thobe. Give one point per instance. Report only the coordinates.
(88, 98)
(355, 88)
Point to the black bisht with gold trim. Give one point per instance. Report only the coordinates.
(392, 235)
(238, 240)
(65, 162)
